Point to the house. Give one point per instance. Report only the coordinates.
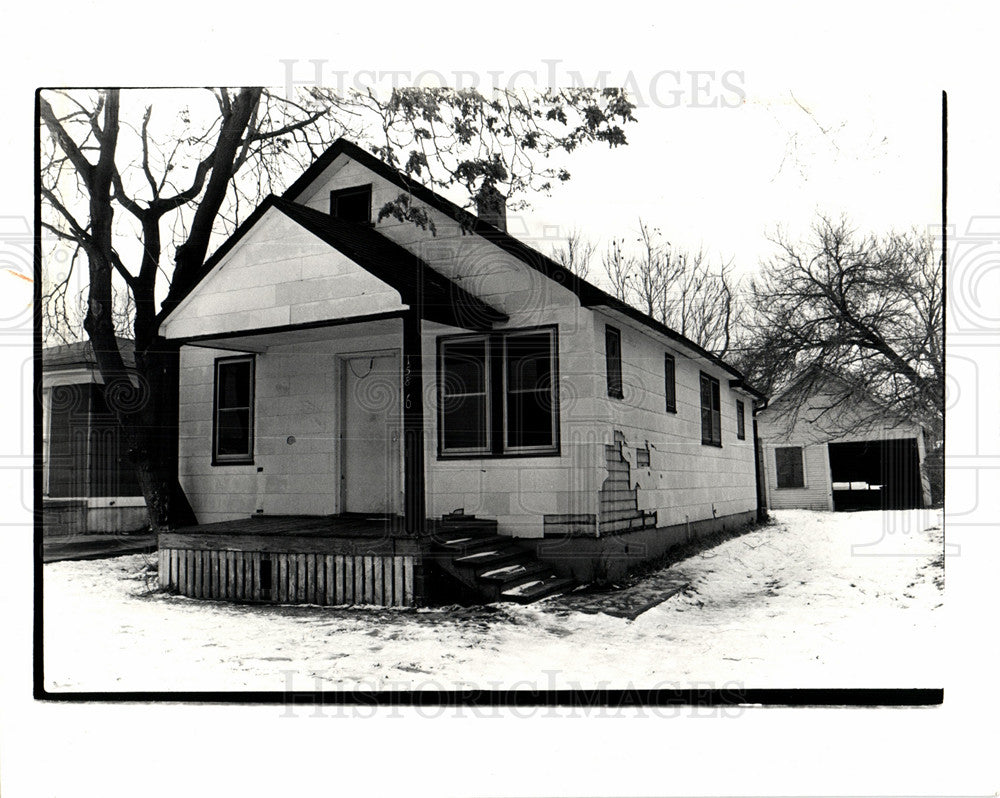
(337, 365)
(828, 445)
(87, 484)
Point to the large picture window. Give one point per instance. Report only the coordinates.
(232, 434)
(498, 394)
(788, 466)
(711, 411)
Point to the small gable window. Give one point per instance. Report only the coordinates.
(232, 434)
(352, 204)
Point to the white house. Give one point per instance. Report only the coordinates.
(336, 363)
(827, 446)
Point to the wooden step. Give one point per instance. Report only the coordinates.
(513, 573)
(462, 543)
(535, 589)
(493, 557)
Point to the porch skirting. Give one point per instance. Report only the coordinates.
(276, 577)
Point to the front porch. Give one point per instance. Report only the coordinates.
(351, 559)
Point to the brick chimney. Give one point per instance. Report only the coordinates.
(491, 206)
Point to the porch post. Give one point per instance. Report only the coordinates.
(414, 511)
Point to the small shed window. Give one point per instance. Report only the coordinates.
(352, 204)
(670, 382)
(711, 411)
(741, 422)
(613, 361)
(788, 465)
(233, 427)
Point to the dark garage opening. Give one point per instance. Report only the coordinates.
(876, 475)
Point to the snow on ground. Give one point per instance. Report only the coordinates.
(812, 600)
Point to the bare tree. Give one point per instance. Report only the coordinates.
(619, 268)
(703, 303)
(108, 176)
(866, 308)
(576, 254)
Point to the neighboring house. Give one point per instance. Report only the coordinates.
(87, 485)
(828, 446)
(335, 363)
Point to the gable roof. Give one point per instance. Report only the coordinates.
(439, 298)
(81, 353)
(588, 293)
(815, 378)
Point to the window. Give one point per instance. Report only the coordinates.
(352, 204)
(528, 391)
(711, 412)
(232, 436)
(741, 422)
(613, 360)
(670, 382)
(788, 465)
(464, 395)
(498, 394)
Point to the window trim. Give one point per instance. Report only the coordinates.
(716, 395)
(336, 193)
(616, 334)
(741, 420)
(802, 469)
(670, 388)
(239, 459)
(496, 402)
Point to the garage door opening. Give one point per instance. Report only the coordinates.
(876, 475)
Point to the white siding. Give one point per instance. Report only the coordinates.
(686, 480)
(816, 493)
(297, 390)
(279, 274)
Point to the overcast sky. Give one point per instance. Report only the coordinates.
(725, 177)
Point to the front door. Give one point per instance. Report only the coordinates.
(370, 460)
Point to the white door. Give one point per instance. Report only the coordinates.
(370, 460)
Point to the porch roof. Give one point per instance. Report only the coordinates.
(431, 294)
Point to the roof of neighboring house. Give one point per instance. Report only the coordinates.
(825, 378)
(588, 294)
(81, 353)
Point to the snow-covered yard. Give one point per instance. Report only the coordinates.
(813, 600)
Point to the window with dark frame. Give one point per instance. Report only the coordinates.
(613, 361)
(711, 411)
(352, 204)
(232, 434)
(670, 382)
(741, 423)
(498, 394)
(788, 466)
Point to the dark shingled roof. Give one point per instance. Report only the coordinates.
(589, 295)
(81, 353)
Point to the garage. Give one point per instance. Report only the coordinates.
(876, 475)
